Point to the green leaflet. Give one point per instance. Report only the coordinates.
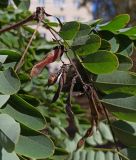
(116, 23)
(9, 132)
(101, 62)
(9, 81)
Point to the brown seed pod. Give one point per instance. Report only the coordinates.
(56, 96)
(52, 79)
(51, 57)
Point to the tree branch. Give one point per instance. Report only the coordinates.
(28, 19)
(38, 16)
(20, 63)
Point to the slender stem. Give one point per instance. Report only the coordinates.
(21, 157)
(109, 122)
(54, 35)
(52, 29)
(123, 156)
(20, 63)
(30, 18)
(106, 114)
(104, 149)
(92, 107)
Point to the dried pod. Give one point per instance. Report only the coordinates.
(62, 81)
(52, 79)
(51, 57)
(71, 129)
(89, 132)
(69, 111)
(56, 96)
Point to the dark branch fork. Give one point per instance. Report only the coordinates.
(14, 26)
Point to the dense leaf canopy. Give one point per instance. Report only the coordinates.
(30, 125)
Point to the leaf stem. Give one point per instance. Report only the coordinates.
(123, 156)
(21, 61)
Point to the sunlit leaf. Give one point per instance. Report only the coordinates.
(69, 30)
(116, 23)
(101, 62)
(128, 31)
(35, 146)
(24, 113)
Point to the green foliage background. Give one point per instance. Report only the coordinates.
(33, 128)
